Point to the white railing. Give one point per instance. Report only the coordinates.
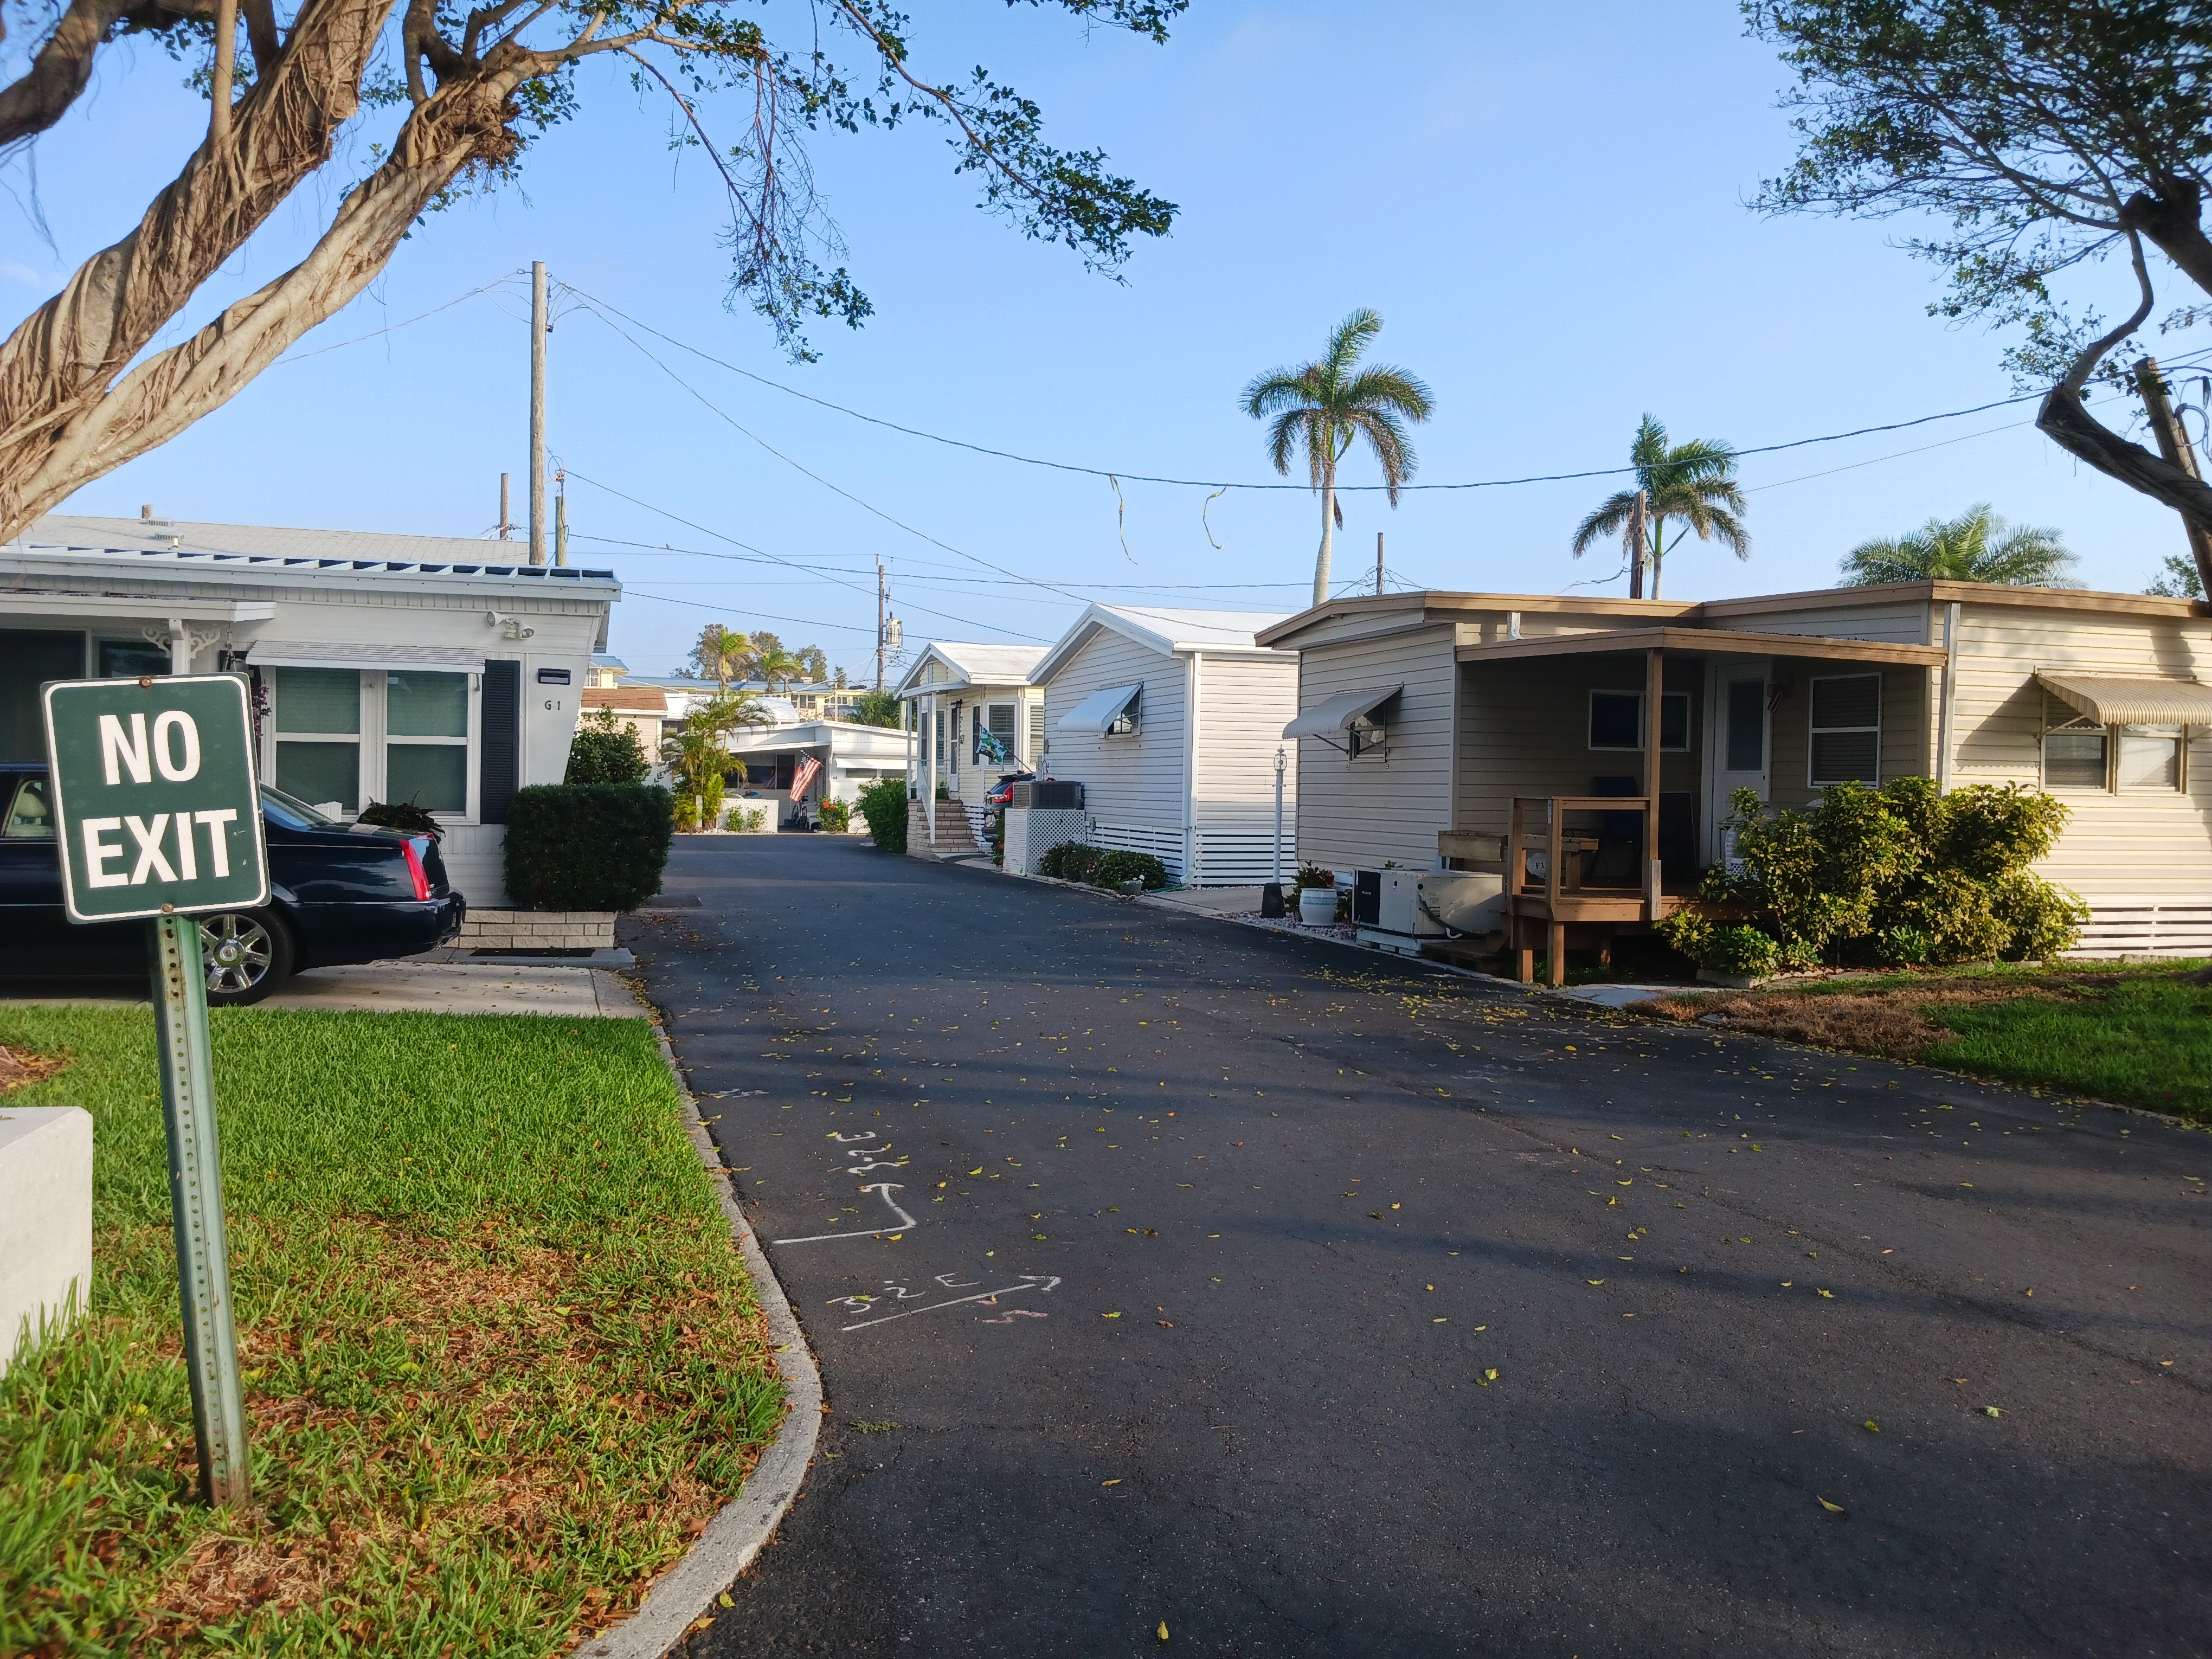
(979, 820)
(2157, 927)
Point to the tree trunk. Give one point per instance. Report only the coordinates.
(2068, 424)
(64, 420)
(1327, 534)
(1658, 550)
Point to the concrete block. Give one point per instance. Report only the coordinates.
(45, 1220)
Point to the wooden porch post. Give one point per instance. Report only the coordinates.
(1555, 931)
(1516, 878)
(1655, 679)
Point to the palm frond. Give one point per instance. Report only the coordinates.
(1349, 339)
(1385, 386)
(1278, 388)
(1609, 519)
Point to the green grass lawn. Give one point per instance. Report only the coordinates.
(2138, 1034)
(502, 1361)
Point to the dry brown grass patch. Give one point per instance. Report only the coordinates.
(19, 1069)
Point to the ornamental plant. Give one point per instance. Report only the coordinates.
(883, 804)
(1904, 873)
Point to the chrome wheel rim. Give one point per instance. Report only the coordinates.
(237, 952)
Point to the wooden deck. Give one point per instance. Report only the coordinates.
(1542, 904)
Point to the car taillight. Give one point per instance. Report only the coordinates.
(415, 868)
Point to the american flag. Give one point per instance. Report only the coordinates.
(802, 774)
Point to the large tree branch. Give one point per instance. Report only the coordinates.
(465, 123)
(61, 360)
(59, 70)
(2066, 420)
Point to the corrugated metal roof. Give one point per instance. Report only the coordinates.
(176, 544)
(2110, 701)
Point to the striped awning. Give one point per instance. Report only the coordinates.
(2112, 701)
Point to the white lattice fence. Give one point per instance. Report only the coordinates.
(2158, 928)
(1165, 845)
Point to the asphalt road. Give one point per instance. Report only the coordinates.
(1308, 1302)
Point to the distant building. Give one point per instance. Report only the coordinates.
(384, 668)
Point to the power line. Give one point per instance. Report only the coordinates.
(594, 304)
(394, 328)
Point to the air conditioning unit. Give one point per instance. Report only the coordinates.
(1048, 795)
(1413, 905)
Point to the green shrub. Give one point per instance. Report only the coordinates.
(605, 750)
(697, 809)
(403, 815)
(587, 846)
(1072, 860)
(883, 804)
(747, 820)
(836, 815)
(1115, 868)
(1742, 948)
(1902, 873)
(1312, 875)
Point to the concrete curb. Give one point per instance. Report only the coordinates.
(688, 1591)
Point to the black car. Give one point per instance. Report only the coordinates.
(337, 893)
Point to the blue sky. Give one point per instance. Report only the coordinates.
(1545, 203)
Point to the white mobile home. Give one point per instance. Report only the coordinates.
(962, 700)
(1172, 721)
(1608, 735)
(384, 667)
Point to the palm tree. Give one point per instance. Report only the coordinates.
(697, 748)
(1694, 482)
(1977, 546)
(777, 665)
(1320, 407)
(720, 653)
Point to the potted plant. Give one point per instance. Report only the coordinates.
(1317, 895)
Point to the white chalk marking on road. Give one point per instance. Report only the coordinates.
(886, 1188)
(1030, 1282)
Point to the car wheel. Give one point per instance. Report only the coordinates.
(247, 954)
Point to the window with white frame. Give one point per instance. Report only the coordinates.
(351, 736)
(1846, 744)
(2152, 758)
(1037, 734)
(1127, 723)
(1616, 719)
(2078, 754)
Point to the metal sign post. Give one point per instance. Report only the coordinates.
(158, 811)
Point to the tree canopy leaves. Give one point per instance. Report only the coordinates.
(1977, 546)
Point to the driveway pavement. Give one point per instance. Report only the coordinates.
(1307, 1302)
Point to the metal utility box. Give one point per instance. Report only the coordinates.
(1413, 905)
(1049, 795)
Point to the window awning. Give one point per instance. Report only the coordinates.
(1100, 709)
(319, 653)
(2112, 701)
(1337, 714)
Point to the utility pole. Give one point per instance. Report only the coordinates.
(1378, 564)
(880, 603)
(1636, 518)
(506, 523)
(561, 517)
(537, 411)
(2173, 444)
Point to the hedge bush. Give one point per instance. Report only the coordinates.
(1905, 873)
(883, 804)
(605, 750)
(587, 846)
(1076, 860)
(1070, 861)
(1115, 868)
(835, 816)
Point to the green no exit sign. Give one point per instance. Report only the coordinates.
(155, 796)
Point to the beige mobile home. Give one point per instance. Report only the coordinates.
(1171, 720)
(1586, 749)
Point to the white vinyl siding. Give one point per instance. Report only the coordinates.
(1358, 814)
(1136, 780)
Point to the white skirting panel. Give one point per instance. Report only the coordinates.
(475, 864)
(1242, 858)
(1164, 844)
(2148, 926)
